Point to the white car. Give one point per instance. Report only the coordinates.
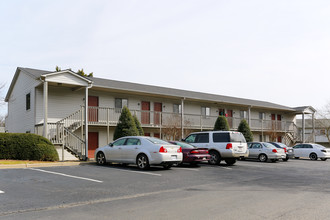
(142, 151)
(264, 151)
(222, 145)
(313, 151)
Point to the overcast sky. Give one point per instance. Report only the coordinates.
(274, 50)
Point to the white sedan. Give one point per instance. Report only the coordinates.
(264, 151)
(313, 151)
(142, 151)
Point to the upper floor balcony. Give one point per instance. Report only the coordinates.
(101, 116)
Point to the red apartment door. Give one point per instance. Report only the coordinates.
(93, 143)
(157, 112)
(93, 114)
(273, 117)
(273, 128)
(229, 116)
(145, 115)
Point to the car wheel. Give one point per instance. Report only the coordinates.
(167, 166)
(142, 162)
(100, 158)
(215, 158)
(230, 161)
(313, 156)
(324, 159)
(263, 158)
(286, 159)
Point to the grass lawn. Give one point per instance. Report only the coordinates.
(9, 162)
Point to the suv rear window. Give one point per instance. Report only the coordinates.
(228, 137)
(221, 137)
(237, 137)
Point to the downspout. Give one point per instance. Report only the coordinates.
(249, 116)
(303, 127)
(313, 124)
(182, 117)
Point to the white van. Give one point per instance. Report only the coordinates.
(222, 145)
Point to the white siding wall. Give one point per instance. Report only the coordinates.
(19, 119)
(62, 102)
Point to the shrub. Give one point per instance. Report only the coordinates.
(244, 128)
(26, 147)
(221, 124)
(138, 125)
(126, 125)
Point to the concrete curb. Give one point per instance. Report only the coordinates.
(55, 164)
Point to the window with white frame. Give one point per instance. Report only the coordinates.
(206, 111)
(243, 114)
(261, 115)
(177, 108)
(120, 103)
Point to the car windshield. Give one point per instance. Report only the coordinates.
(268, 145)
(237, 137)
(157, 141)
(185, 145)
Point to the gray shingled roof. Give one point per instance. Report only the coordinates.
(135, 87)
(175, 93)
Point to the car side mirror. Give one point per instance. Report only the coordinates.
(183, 139)
(111, 144)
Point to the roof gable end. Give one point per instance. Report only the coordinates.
(66, 77)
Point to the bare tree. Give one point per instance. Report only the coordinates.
(2, 105)
(2, 121)
(2, 99)
(323, 120)
(172, 127)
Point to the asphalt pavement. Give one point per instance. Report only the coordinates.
(297, 189)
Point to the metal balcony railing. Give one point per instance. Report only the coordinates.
(110, 117)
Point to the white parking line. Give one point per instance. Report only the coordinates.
(2, 191)
(62, 174)
(191, 169)
(227, 168)
(132, 171)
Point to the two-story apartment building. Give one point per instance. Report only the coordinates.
(316, 130)
(53, 104)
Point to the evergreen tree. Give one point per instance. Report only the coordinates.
(126, 125)
(221, 124)
(244, 128)
(138, 126)
(82, 73)
(58, 69)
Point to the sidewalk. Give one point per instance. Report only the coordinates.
(45, 164)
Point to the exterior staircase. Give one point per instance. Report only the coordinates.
(65, 134)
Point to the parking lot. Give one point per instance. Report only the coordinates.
(297, 189)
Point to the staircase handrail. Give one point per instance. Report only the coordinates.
(74, 143)
(68, 121)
